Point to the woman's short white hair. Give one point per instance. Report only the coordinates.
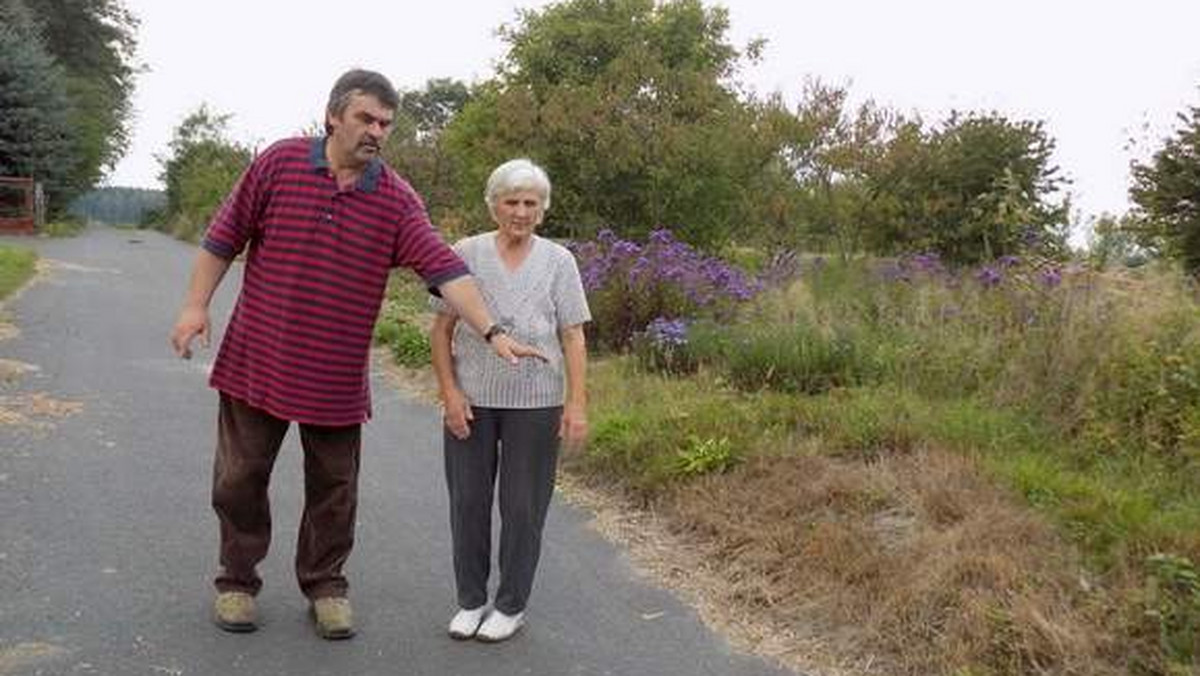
(516, 175)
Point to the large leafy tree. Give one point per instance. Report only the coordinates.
(1166, 190)
(94, 41)
(629, 105)
(978, 186)
(35, 130)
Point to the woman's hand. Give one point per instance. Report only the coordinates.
(573, 429)
(456, 413)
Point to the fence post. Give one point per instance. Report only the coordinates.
(39, 207)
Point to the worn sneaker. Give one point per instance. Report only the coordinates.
(500, 627)
(465, 623)
(334, 619)
(235, 611)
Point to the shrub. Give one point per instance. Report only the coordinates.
(796, 358)
(629, 285)
(703, 456)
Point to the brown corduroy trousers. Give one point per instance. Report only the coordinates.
(248, 441)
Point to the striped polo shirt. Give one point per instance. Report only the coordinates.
(317, 264)
(533, 302)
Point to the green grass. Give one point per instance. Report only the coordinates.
(649, 430)
(16, 267)
(68, 227)
(399, 327)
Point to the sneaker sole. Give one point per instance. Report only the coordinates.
(488, 639)
(236, 627)
(460, 636)
(335, 635)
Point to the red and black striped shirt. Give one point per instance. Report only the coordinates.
(317, 264)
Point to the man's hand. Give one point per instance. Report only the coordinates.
(192, 322)
(456, 414)
(511, 351)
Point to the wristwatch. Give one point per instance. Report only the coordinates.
(493, 331)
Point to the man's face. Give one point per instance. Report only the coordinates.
(359, 132)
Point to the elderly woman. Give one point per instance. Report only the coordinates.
(505, 420)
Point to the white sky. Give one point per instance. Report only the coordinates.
(1097, 72)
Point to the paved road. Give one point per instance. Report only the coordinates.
(107, 542)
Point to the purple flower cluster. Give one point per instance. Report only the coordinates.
(663, 259)
(667, 333)
(629, 284)
(989, 277)
(910, 268)
(1051, 277)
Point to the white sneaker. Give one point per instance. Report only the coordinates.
(500, 627)
(465, 623)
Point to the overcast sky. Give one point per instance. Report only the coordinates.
(1097, 72)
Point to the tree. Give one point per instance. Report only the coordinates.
(95, 42)
(200, 170)
(977, 187)
(1166, 192)
(35, 131)
(416, 148)
(628, 105)
(1112, 240)
(830, 150)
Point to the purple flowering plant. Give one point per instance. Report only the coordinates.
(631, 284)
(664, 347)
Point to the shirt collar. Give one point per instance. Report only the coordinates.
(367, 182)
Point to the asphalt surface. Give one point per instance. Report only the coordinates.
(108, 543)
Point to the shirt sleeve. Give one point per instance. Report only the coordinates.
(237, 219)
(420, 247)
(436, 303)
(570, 301)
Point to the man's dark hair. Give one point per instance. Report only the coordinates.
(359, 81)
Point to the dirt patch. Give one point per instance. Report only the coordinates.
(417, 383)
(35, 410)
(23, 655)
(11, 369)
(8, 331)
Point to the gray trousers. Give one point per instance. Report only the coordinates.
(520, 446)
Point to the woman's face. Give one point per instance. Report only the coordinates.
(517, 214)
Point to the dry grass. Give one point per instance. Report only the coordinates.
(916, 561)
(914, 564)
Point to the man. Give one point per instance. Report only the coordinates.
(322, 222)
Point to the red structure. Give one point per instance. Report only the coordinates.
(17, 206)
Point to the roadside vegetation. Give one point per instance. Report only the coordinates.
(16, 267)
(985, 470)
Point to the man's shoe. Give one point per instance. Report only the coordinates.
(500, 627)
(465, 623)
(333, 617)
(235, 611)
